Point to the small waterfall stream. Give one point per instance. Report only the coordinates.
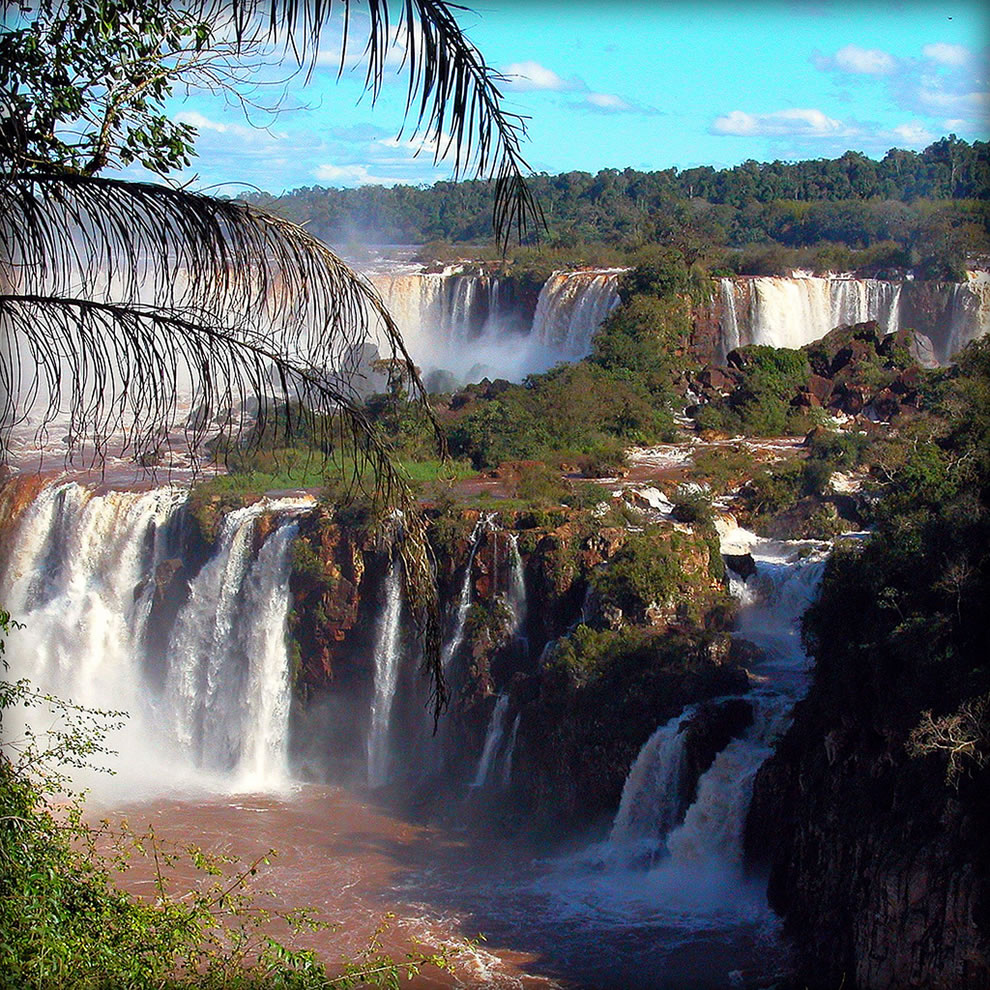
(493, 740)
(388, 653)
(453, 644)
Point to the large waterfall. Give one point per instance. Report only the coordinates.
(82, 574)
(796, 310)
(478, 325)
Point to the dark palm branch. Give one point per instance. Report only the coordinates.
(121, 299)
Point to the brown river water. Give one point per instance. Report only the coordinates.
(536, 916)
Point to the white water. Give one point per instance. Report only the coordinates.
(468, 325)
(794, 311)
(493, 740)
(81, 576)
(78, 576)
(388, 653)
(572, 306)
(650, 798)
(464, 598)
(517, 591)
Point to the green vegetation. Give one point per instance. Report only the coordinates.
(904, 612)
(924, 210)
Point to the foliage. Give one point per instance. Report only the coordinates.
(924, 209)
(645, 573)
(903, 614)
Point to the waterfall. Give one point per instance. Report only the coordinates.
(227, 683)
(80, 577)
(388, 652)
(686, 864)
(509, 750)
(517, 591)
(464, 598)
(82, 574)
(265, 728)
(572, 306)
(650, 802)
(493, 740)
(794, 311)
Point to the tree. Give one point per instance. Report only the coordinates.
(118, 296)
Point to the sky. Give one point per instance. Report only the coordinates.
(647, 85)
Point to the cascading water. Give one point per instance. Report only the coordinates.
(453, 644)
(493, 740)
(792, 312)
(572, 306)
(79, 576)
(689, 876)
(82, 575)
(472, 325)
(650, 802)
(227, 684)
(517, 591)
(509, 750)
(388, 653)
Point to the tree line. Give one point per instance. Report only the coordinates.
(852, 201)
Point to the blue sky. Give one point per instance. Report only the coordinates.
(646, 85)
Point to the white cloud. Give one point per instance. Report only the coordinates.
(864, 61)
(345, 175)
(525, 76)
(607, 101)
(912, 133)
(203, 123)
(946, 54)
(795, 122)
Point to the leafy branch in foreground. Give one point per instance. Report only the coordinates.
(67, 922)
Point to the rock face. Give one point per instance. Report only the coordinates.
(874, 877)
(878, 860)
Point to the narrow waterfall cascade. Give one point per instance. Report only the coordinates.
(452, 645)
(82, 573)
(684, 866)
(493, 740)
(510, 748)
(650, 802)
(516, 594)
(265, 733)
(572, 306)
(388, 654)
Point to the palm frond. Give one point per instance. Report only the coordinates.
(453, 100)
(117, 370)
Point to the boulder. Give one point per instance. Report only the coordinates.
(740, 563)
